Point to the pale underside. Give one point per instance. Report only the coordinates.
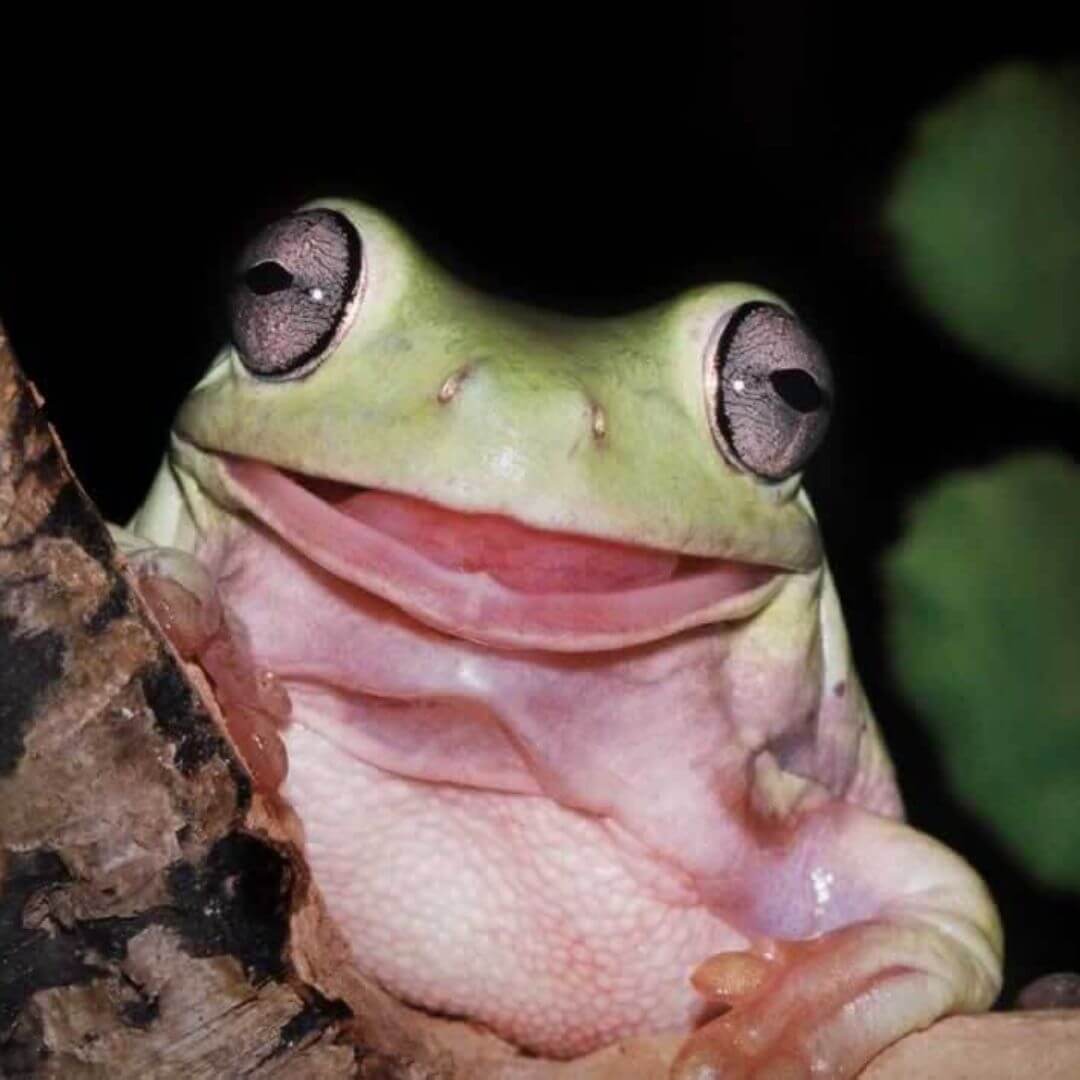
(550, 843)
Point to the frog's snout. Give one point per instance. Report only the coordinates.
(565, 403)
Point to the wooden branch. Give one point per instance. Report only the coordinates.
(156, 916)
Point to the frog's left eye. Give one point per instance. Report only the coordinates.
(769, 391)
(295, 291)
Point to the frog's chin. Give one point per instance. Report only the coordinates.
(490, 579)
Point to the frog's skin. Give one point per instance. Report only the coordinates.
(541, 798)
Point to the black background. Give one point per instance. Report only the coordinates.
(588, 168)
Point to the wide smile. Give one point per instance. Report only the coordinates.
(491, 579)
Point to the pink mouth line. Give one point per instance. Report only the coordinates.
(487, 578)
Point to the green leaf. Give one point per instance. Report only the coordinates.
(986, 215)
(984, 597)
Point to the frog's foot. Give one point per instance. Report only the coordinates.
(818, 1008)
(184, 598)
(912, 935)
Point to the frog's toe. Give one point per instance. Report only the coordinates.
(184, 599)
(812, 1009)
(721, 1058)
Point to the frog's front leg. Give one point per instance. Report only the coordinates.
(925, 942)
(184, 598)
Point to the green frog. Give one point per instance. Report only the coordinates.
(537, 611)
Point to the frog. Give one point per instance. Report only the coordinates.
(527, 618)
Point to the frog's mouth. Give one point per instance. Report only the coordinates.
(489, 578)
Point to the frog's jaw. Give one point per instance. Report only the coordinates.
(477, 606)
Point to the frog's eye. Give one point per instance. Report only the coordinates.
(769, 391)
(295, 290)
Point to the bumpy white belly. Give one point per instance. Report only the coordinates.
(550, 926)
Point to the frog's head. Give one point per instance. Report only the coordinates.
(509, 475)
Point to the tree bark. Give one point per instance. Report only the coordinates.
(156, 915)
(155, 918)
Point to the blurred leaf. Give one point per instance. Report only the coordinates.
(985, 617)
(986, 212)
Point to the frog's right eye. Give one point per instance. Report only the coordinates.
(769, 391)
(296, 289)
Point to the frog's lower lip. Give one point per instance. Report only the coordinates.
(479, 607)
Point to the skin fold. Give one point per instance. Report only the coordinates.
(537, 611)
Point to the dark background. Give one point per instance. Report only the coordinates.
(560, 164)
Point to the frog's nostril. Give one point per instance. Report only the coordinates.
(452, 384)
(599, 422)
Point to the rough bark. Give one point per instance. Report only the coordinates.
(156, 916)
